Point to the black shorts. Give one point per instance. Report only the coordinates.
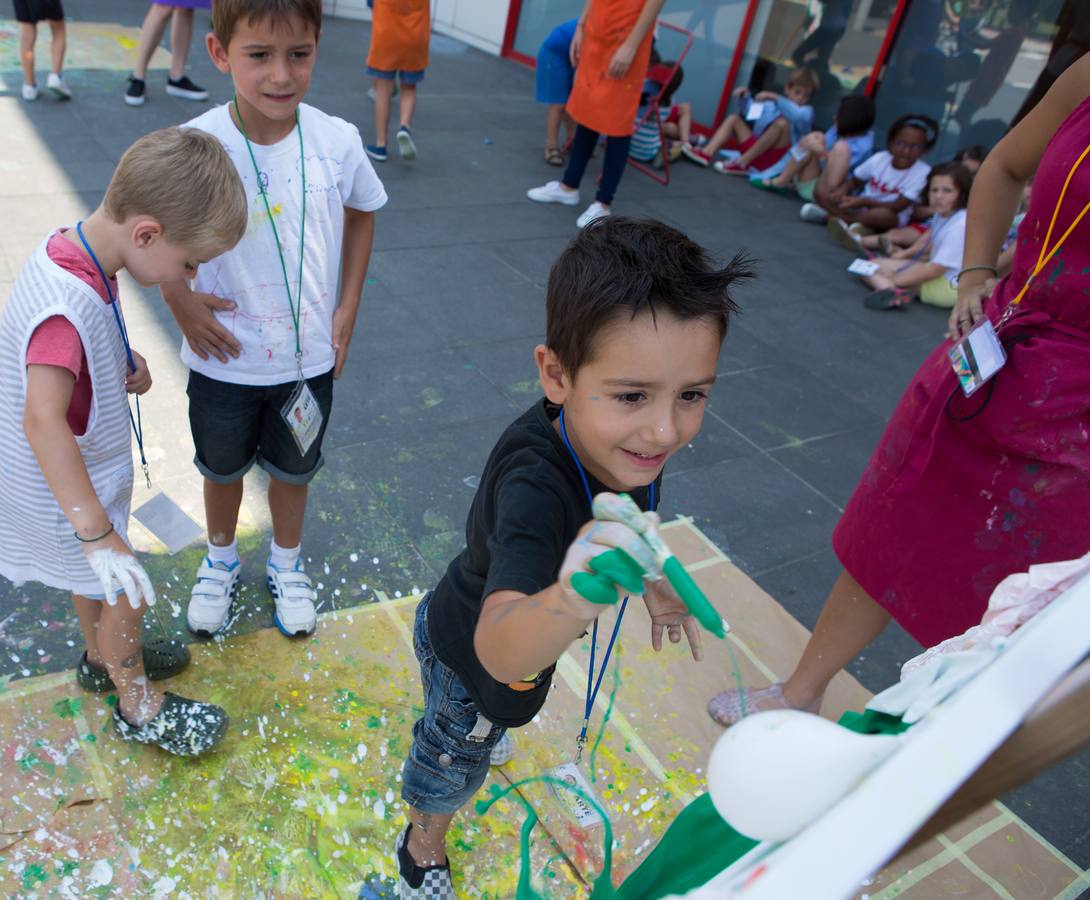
(236, 425)
(32, 11)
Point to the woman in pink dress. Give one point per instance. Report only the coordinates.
(962, 492)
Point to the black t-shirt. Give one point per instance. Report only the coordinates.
(529, 507)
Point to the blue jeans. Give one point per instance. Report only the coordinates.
(446, 766)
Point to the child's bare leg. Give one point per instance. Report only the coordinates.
(406, 108)
(60, 43)
(384, 92)
(151, 33)
(778, 134)
(120, 648)
(221, 506)
(790, 171)
(553, 119)
(89, 612)
(685, 122)
(288, 506)
(28, 33)
(733, 128)
(428, 837)
(877, 218)
(181, 36)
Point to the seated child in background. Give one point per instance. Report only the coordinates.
(554, 80)
(1006, 255)
(66, 369)
(971, 156)
(636, 313)
(675, 120)
(891, 182)
(821, 163)
(935, 257)
(778, 122)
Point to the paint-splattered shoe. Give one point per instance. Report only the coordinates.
(294, 596)
(182, 727)
(163, 658)
(420, 883)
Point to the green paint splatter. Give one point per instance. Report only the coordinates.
(34, 875)
(304, 763)
(68, 707)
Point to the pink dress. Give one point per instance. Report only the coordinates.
(961, 492)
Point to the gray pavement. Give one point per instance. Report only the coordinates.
(441, 361)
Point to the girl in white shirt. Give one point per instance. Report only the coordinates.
(935, 257)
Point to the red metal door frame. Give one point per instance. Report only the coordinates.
(885, 49)
(507, 49)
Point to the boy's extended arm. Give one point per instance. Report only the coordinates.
(359, 235)
(193, 313)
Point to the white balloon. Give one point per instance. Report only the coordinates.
(775, 772)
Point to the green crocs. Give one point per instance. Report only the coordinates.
(163, 658)
(182, 727)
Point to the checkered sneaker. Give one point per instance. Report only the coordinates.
(432, 883)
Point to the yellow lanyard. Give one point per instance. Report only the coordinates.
(1046, 254)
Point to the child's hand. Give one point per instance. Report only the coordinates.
(116, 567)
(344, 323)
(766, 95)
(205, 335)
(622, 59)
(606, 559)
(852, 202)
(576, 45)
(740, 92)
(138, 382)
(668, 611)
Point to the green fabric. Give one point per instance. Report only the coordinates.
(805, 189)
(699, 845)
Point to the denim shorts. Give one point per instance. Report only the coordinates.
(445, 767)
(236, 425)
(403, 76)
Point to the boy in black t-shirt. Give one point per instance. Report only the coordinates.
(636, 316)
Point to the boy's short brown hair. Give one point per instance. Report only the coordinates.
(185, 180)
(226, 14)
(807, 79)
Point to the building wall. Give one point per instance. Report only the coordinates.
(480, 23)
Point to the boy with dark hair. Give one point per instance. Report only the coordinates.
(636, 314)
(282, 325)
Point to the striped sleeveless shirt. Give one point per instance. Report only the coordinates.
(36, 539)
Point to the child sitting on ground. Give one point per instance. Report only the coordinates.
(891, 181)
(636, 313)
(66, 368)
(778, 122)
(675, 120)
(934, 259)
(820, 164)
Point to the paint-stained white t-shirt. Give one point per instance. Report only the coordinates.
(885, 183)
(338, 175)
(948, 242)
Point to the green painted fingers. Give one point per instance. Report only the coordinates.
(612, 568)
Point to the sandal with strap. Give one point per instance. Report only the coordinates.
(729, 707)
(554, 156)
(182, 727)
(163, 658)
(887, 298)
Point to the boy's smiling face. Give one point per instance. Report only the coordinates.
(270, 63)
(639, 398)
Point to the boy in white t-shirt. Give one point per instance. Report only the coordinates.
(281, 328)
(891, 181)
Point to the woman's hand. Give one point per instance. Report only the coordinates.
(969, 309)
(622, 59)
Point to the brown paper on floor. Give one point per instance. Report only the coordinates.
(303, 798)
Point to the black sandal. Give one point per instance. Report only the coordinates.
(182, 727)
(163, 658)
(554, 156)
(887, 298)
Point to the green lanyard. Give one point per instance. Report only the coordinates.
(295, 307)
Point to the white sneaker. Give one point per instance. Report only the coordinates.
(30, 92)
(212, 596)
(553, 193)
(57, 86)
(595, 211)
(502, 752)
(811, 212)
(294, 596)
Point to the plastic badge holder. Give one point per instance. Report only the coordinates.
(585, 815)
(977, 357)
(755, 111)
(863, 267)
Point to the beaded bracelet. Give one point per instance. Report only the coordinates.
(84, 540)
(991, 269)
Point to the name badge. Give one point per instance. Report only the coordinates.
(863, 267)
(977, 357)
(303, 417)
(585, 815)
(755, 111)
(798, 153)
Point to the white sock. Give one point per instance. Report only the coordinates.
(284, 558)
(228, 555)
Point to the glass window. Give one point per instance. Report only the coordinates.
(538, 17)
(973, 65)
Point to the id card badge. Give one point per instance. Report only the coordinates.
(755, 111)
(303, 416)
(798, 153)
(863, 267)
(977, 357)
(584, 815)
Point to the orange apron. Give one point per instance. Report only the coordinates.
(400, 30)
(598, 102)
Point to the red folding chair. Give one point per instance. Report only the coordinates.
(661, 75)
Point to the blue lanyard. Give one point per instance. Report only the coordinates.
(137, 424)
(592, 684)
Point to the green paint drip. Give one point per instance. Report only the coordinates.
(605, 721)
(739, 682)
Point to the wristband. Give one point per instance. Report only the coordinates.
(84, 540)
(992, 269)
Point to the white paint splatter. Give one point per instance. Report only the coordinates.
(102, 873)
